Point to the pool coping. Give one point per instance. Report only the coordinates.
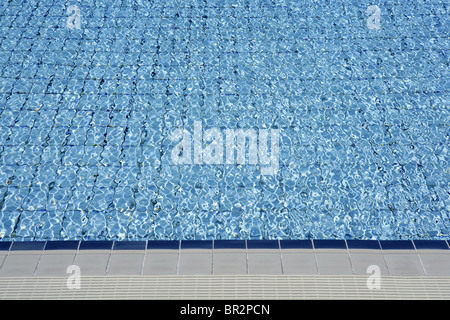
(312, 244)
(209, 257)
(346, 263)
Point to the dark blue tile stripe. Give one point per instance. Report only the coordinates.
(197, 244)
(263, 244)
(329, 244)
(96, 245)
(229, 244)
(163, 245)
(397, 244)
(363, 244)
(28, 245)
(224, 244)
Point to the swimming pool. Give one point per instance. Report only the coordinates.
(224, 120)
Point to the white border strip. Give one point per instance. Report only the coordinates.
(226, 287)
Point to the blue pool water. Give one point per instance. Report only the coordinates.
(99, 97)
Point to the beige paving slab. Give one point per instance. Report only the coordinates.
(264, 262)
(230, 262)
(226, 261)
(125, 263)
(435, 263)
(2, 258)
(92, 263)
(333, 262)
(195, 262)
(300, 262)
(20, 265)
(362, 260)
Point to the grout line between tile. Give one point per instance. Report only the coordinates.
(281, 256)
(76, 253)
(420, 260)
(39, 260)
(315, 257)
(384, 258)
(178, 257)
(246, 258)
(143, 260)
(212, 257)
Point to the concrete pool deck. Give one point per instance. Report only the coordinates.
(208, 269)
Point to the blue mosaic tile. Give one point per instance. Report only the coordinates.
(363, 244)
(229, 244)
(296, 244)
(62, 245)
(90, 107)
(329, 244)
(27, 246)
(196, 244)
